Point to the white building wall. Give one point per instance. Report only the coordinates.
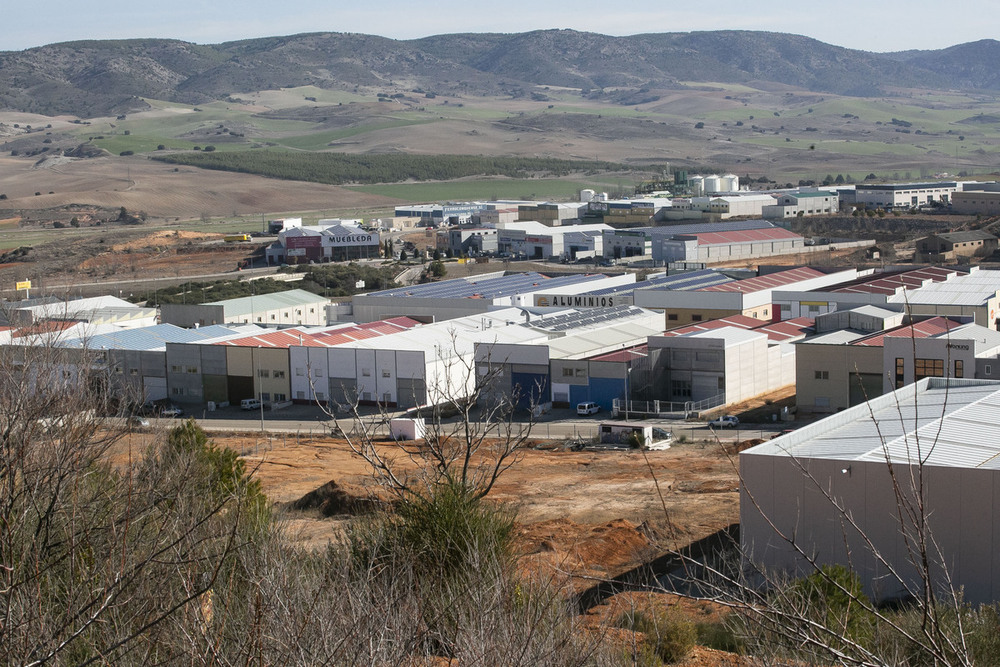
(947, 349)
(794, 496)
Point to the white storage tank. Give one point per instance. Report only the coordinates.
(587, 195)
(697, 184)
(713, 184)
(731, 183)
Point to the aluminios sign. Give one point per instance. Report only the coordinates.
(578, 300)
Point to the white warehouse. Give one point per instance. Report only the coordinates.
(829, 486)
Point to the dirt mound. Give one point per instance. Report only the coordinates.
(733, 448)
(165, 238)
(332, 499)
(584, 550)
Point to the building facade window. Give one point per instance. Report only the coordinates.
(680, 388)
(959, 368)
(822, 375)
(928, 368)
(900, 372)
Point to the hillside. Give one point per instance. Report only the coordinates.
(94, 78)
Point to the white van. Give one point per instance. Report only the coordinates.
(588, 408)
(250, 404)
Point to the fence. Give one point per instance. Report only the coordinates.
(666, 409)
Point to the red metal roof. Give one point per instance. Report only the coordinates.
(769, 281)
(788, 329)
(924, 329)
(889, 283)
(46, 326)
(303, 337)
(745, 236)
(775, 331)
(738, 321)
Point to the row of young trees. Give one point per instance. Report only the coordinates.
(332, 280)
(343, 168)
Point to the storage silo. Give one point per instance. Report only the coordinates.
(731, 183)
(713, 184)
(697, 184)
(587, 195)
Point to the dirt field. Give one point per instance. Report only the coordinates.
(163, 191)
(595, 513)
(582, 516)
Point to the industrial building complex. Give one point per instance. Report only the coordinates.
(671, 313)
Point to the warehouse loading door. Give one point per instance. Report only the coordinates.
(864, 387)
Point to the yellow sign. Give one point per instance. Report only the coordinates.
(24, 284)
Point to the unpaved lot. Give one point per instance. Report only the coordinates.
(589, 513)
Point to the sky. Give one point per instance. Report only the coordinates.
(871, 25)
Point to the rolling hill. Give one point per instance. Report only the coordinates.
(94, 78)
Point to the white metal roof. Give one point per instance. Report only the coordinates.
(972, 289)
(248, 305)
(874, 311)
(730, 335)
(599, 341)
(839, 337)
(940, 422)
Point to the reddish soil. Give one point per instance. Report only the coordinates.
(583, 517)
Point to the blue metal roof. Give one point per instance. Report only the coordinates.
(489, 288)
(145, 338)
(586, 317)
(690, 280)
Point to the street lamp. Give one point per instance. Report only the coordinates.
(628, 378)
(260, 387)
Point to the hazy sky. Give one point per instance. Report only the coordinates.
(873, 25)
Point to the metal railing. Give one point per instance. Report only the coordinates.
(666, 409)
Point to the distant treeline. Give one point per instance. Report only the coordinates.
(343, 169)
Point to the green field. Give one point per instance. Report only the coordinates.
(320, 140)
(535, 188)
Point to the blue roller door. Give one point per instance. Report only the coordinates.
(605, 390)
(532, 388)
(578, 393)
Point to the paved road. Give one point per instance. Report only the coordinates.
(558, 424)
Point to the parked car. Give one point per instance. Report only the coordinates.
(250, 404)
(171, 411)
(662, 434)
(727, 421)
(588, 408)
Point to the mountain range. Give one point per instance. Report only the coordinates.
(96, 78)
